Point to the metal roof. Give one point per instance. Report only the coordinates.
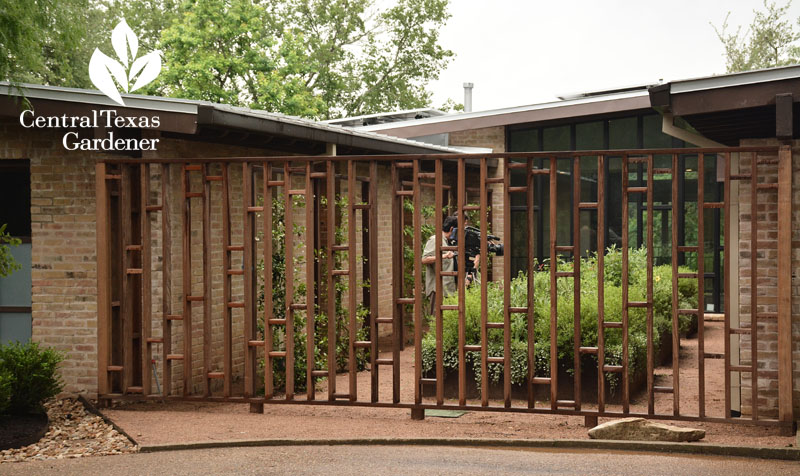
(250, 119)
(383, 117)
(586, 106)
(735, 79)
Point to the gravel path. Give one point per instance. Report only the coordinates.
(73, 433)
(181, 422)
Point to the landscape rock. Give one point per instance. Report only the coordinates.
(73, 433)
(640, 429)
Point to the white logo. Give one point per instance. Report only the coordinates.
(129, 75)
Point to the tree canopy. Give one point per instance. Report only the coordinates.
(769, 41)
(312, 58)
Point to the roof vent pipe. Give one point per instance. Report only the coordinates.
(468, 97)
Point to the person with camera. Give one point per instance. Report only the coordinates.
(449, 227)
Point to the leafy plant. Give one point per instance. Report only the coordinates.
(5, 390)
(33, 375)
(321, 321)
(637, 318)
(7, 263)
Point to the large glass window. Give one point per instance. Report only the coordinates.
(632, 132)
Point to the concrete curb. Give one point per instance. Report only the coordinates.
(790, 454)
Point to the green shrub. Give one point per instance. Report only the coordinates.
(320, 315)
(33, 375)
(637, 318)
(5, 390)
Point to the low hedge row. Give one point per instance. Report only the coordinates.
(637, 329)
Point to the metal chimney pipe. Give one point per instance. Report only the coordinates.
(468, 97)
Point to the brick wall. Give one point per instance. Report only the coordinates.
(767, 272)
(495, 139)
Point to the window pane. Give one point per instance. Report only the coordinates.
(589, 136)
(526, 140)
(622, 133)
(556, 138)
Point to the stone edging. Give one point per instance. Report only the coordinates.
(790, 454)
(91, 408)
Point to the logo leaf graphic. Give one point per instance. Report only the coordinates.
(103, 71)
(149, 65)
(122, 37)
(131, 74)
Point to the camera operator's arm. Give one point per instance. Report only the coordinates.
(432, 259)
(429, 253)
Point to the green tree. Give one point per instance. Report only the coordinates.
(310, 58)
(769, 41)
(46, 41)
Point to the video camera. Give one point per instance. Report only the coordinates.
(472, 248)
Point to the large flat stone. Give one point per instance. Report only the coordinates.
(640, 429)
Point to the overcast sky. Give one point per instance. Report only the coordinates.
(521, 52)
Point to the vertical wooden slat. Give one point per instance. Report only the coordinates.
(397, 280)
(437, 232)
(374, 285)
(675, 317)
(352, 285)
(650, 350)
(147, 286)
(310, 263)
(269, 310)
(289, 253)
(785, 384)
(331, 279)
(727, 278)
(418, 284)
(187, 282)
(624, 376)
(484, 212)
(166, 275)
(507, 284)
(601, 251)
(103, 243)
(227, 317)
(553, 284)
(207, 284)
(531, 269)
(461, 284)
(249, 274)
(126, 298)
(754, 283)
(576, 263)
(701, 308)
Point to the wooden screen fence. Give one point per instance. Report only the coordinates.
(215, 333)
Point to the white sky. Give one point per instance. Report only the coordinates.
(521, 52)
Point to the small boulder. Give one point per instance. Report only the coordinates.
(640, 429)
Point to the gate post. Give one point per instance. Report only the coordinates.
(785, 411)
(102, 234)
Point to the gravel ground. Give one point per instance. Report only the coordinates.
(73, 433)
(182, 422)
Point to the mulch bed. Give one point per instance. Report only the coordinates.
(22, 430)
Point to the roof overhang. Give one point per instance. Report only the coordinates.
(195, 119)
(728, 108)
(583, 107)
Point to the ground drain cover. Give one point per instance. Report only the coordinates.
(444, 413)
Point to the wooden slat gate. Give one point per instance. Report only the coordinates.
(208, 224)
